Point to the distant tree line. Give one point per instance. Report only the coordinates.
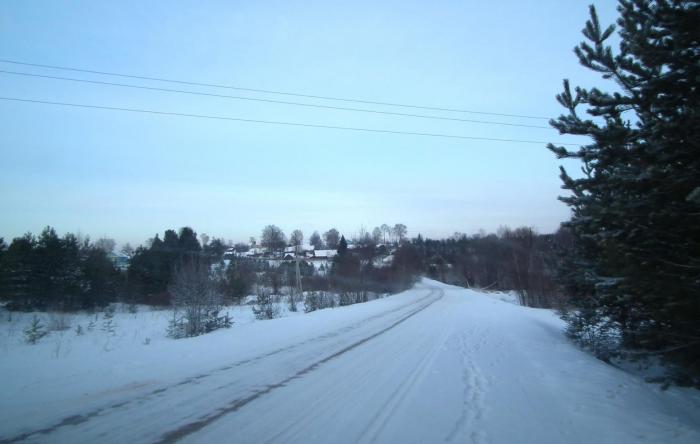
(520, 259)
(49, 272)
(62, 273)
(52, 272)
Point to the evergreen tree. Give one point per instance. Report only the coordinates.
(188, 242)
(156, 243)
(265, 307)
(342, 246)
(105, 280)
(56, 270)
(171, 241)
(17, 272)
(636, 210)
(346, 273)
(215, 249)
(35, 331)
(56, 273)
(150, 269)
(239, 278)
(108, 324)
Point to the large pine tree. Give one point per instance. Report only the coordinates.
(636, 207)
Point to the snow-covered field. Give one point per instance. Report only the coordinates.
(433, 364)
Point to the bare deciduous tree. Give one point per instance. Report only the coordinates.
(272, 238)
(316, 241)
(377, 235)
(332, 237)
(194, 294)
(105, 244)
(128, 249)
(399, 232)
(386, 232)
(296, 239)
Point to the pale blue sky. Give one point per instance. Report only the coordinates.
(129, 176)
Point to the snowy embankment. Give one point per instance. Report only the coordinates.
(433, 364)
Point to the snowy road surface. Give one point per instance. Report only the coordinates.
(434, 364)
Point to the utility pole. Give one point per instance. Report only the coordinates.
(298, 272)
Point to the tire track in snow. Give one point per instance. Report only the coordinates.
(474, 385)
(81, 418)
(396, 399)
(237, 404)
(295, 427)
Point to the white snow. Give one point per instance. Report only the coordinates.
(433, 364)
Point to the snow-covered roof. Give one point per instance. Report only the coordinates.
(302, 248)
(251, 252)
(118, 255)
(325, 253)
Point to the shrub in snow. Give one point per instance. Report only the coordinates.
(176, 327)
(197, 301)
(57, 345)
(58, 322)
(35, 331)
(108, 312)
(108, 324)
(318, 300)
(265, 307)
(79, 330)
(591, 331)
(213, 321)
(348, 298)
(209, 320)
(311, 302)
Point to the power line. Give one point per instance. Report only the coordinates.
(272, 122)
(255, 99)
(267, 91)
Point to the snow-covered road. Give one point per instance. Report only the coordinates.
(434, 364)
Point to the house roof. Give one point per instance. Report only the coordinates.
(302, 248)
(325, 253)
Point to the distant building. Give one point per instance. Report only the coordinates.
(120, 260)
(303, 250)
(306, 251)
(324, 254)
(252, 253)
